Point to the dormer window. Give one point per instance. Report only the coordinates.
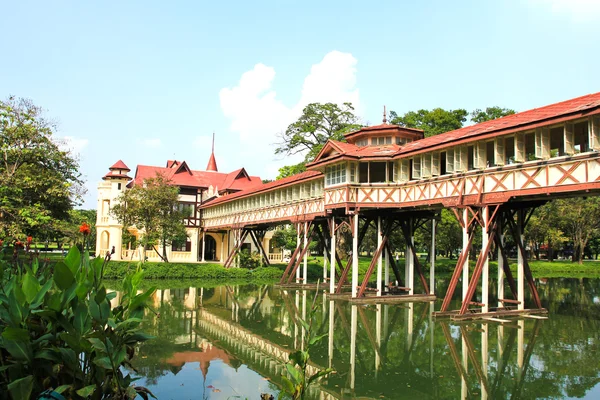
(362, 142)
(378, 141)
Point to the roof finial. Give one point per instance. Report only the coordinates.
(213, 143)
(384, 116)
(212, 164)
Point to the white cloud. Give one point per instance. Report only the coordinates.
(257, 115)
(72, 144)
(578, 10)
(152, 143)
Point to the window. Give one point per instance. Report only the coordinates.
(186, 209)
(509, 150)
(363, 172)
(449, 161)
(542, 143)
(479, 155)
(118, 186)
(490, 155)
(594, 135)
(426, 165)
(335, 174)
(530, 146)
(404, 170)
(352, 167)
(377, 172)
(182, 245)
(470, 157)
(519, 147)
(460, 159)
(416, 168)
(388, 140)
(443, 163)
(499, 153)
(581, 137)
(362, 142)
(435, 164)
(392, 171)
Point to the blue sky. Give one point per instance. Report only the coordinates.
(147, 81)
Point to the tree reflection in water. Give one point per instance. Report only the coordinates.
(394, 351)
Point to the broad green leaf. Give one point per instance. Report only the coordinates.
(103, 362)
(31, 287)
(15, 308)
(86, 391)
(47, 354)
(97, 344)
(17, 334)
(73, 259)
(288, 386)
(100, 295)
(304, 324)
(62, 388)
(19, 350)
(120, 355)
(321, 373)
(295, 374)
(317, 339)
(80, 322)
(69, 358)
(39, 297)
(20, 389)
(63, 276)
(138, 337)
(71, 340)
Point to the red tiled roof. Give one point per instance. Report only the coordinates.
(212, 163)
(383, 127)
(198, 179)
(306, 175)
(511, 122)
(522, 119)
(120, 165)
(110, 175)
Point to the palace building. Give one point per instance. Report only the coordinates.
(195, 188)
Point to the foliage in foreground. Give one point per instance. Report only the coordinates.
(59, 331)
(297, 381)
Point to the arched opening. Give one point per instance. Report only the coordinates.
(210, 248)
(104, 240)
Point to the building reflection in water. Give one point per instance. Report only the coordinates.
(378, 350)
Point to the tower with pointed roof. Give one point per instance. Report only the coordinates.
(109, 231)
(212, 163)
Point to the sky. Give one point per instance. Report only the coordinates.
(148, 81)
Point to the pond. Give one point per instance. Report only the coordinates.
(231, 342)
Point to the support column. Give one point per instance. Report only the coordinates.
(378, 338)
(331, 329)
(354, 255)
(485, 272)
(324, 261)
(500, 262)
(465, 279)
(379, 260)
(203, 245)
(409, 262)
(353, 323)
(305, 260)
(432, 259)
(465, 362)
(222, 259)
(386, 261)
(332, 258)
(484, 359)
(520, 263)
(297, 246)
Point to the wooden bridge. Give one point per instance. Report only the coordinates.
(491, 175)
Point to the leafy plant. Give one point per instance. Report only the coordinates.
(297, 382)
(249, 260)
(58, 330)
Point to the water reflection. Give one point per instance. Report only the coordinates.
(233, 341)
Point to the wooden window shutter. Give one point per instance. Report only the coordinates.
(499, 150)
(479, 158)
(404, 170)
(520, 147)
(538, 143)
(416, 170)
(594, 132)
(450, 161)
(426, 165)
(545, 143)
(569, 139)
(435, 164)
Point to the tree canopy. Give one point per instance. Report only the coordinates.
(490, 113)
(317, 124)
(432, 122)
(153, 208)
(39, 181)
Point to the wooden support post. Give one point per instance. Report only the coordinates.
(301, 256)
(386, 268)
(332, 260)
(305, 259)
(379, 259)
(203, 245)
(466, 248)
(239, 237)
(289, 266)
(520, 262)
(460, 263)
(376, 257)
(485, 272)
(354, 254)
(409, 261)
(394, 266)
(500, 246)
(432, 259)
(298, 231)
(346, 271)
(260, 248)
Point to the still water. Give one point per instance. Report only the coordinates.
(231, 342)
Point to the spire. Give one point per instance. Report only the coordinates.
(212, 164)
(384, 116)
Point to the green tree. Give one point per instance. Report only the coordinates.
(153, 209)
(448, 233)
(285, 238)
(39, 182)
(290, 170)
(317, 124)
(580, 220)
(490, 113)
(432, 122)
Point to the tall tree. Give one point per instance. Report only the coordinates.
(317, 124)
(153, 208)
(290, 170)
(580, 220)
(490, 113)
(432, 122)
(39, 182)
